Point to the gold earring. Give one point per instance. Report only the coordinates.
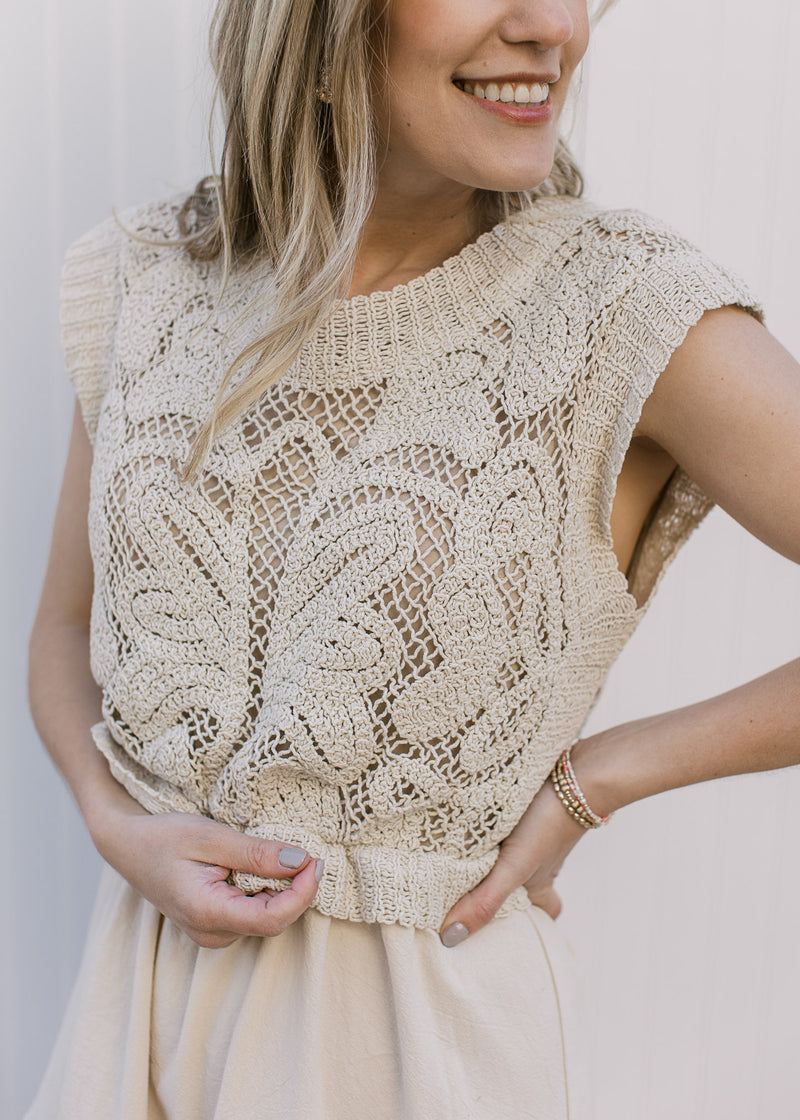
(323, 86)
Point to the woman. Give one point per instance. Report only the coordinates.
(345, 628)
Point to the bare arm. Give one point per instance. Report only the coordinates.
(64, 698)
(727, 409)
(178, 861)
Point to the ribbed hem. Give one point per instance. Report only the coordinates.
(361, 883)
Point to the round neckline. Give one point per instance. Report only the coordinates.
(455, 260)
(367, 336)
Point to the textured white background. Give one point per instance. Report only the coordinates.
(686, 913)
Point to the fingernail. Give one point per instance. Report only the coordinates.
(319, 869)
(454, 935)
(292, 857)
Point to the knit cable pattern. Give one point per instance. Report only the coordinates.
(392, 598)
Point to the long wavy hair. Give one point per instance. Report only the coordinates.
(296, 176)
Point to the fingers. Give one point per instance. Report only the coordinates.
(212, 911)
(265, 914)
(269, 859)
(547, 899)
(531, 855)
(477, 908)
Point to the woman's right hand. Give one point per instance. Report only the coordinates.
(180, 863)
(177, 861)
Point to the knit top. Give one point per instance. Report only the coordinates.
(392, 597)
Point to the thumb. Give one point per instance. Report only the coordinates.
(268, 859)
(477, 908)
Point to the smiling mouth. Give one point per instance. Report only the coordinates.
(510, 93)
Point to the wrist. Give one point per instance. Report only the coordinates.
(559, 821)
(104, 804)
(604, 769)
(569, 792)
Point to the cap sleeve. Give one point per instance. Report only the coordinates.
(90, 297)
(666, 286)
(658, 287)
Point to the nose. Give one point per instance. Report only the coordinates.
(547, 23)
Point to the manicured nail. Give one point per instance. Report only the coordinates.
(292, 857)
(453, 935)
(319, 869)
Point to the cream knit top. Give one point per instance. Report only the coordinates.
(392, 598)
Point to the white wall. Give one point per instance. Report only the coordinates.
(686, 912)
(101, 102)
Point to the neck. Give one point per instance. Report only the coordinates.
(407, 235)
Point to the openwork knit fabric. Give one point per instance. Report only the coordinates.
(392, 598)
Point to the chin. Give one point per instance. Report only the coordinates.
(505, 177)
(513, 183)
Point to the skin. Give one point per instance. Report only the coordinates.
(727, 409)
(437, 144)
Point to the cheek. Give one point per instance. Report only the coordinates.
(410, 91)
(419, 134)
(418, 33)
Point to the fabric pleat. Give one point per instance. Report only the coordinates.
(331, 1020)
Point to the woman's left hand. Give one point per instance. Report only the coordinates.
(530, 856)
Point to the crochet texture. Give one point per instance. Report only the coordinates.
(392, 598)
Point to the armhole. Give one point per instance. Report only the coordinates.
(90, 298)
(676, 513)
(666, 296)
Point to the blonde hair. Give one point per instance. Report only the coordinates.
(600, 9)
(296, 179)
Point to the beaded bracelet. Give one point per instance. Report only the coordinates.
(570, 793)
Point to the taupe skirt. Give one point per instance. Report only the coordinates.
(332, 1020)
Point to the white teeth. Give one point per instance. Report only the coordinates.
(510, 93)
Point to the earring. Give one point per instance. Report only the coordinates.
(323, 86)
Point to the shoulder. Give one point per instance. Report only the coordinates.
(132, 241)
(610, 258)
(125, 283)
(157, 219)
(595, 236)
